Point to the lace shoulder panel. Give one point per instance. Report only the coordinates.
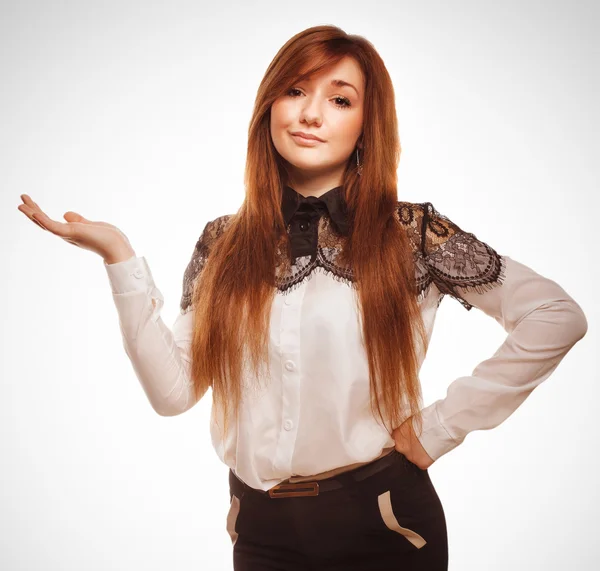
(457, 260)
(211, 232)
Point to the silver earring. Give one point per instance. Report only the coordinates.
(359, 167)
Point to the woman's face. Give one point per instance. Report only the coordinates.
(322, 107)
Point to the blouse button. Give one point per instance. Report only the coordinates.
(287, 301)
(304, 226)
(289, 365)
(138, 273)
(288, 424)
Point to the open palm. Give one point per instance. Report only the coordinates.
(100, 237)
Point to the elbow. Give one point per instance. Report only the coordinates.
(167, 412)
(179, 405)
(576, 323)
(580, 326)
(169, 406)
(562, 322)
(168, 409)
(175, 407)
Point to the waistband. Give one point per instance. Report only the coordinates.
(298, 489)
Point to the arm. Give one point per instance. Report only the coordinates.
(542, 321)
(160, 356)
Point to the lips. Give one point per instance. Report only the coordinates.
(307, 136)
(302, 142)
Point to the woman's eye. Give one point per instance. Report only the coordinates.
(344, 105)
(346, 102)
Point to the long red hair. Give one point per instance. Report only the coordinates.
(233, 294)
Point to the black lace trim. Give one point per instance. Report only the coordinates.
(289, 275)
(458, 260)
(443, 254)
(211, 232)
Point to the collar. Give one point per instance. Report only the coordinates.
(331, 202)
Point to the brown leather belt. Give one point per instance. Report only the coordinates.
(298, 489)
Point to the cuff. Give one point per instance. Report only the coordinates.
(436, 440)
(130, 275)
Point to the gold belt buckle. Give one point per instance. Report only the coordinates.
(294, 490)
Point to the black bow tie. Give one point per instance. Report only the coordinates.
(304, 212)
(331, 202)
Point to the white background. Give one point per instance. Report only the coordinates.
(136, 113)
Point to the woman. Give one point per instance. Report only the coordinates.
(309, 311)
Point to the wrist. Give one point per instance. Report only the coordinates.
(121, 256)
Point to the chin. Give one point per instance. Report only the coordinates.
(309, 167)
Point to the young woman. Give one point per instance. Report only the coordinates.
(309, 311)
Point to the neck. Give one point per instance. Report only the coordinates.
(314, 185)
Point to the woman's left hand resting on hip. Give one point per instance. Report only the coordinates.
(408, 444)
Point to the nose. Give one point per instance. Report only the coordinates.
(311, 113)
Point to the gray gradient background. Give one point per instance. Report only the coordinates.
(136, 113)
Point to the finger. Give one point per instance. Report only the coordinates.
(29, 202)
(28, 212)
(38, 223)
(71, 216)
(30, 206)
(57, 228)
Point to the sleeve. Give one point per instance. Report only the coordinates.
(160, 356)
(542, 322)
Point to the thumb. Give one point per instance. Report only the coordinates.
(71, 216)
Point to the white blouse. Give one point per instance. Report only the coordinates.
(314, 415)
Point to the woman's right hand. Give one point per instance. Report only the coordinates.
(102, 238)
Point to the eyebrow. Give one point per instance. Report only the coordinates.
(341, 83)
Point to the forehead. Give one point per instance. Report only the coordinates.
(347, 69)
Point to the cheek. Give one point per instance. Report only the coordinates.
(349, 125)
(279, 124)
(345, 131)
(281, 115)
